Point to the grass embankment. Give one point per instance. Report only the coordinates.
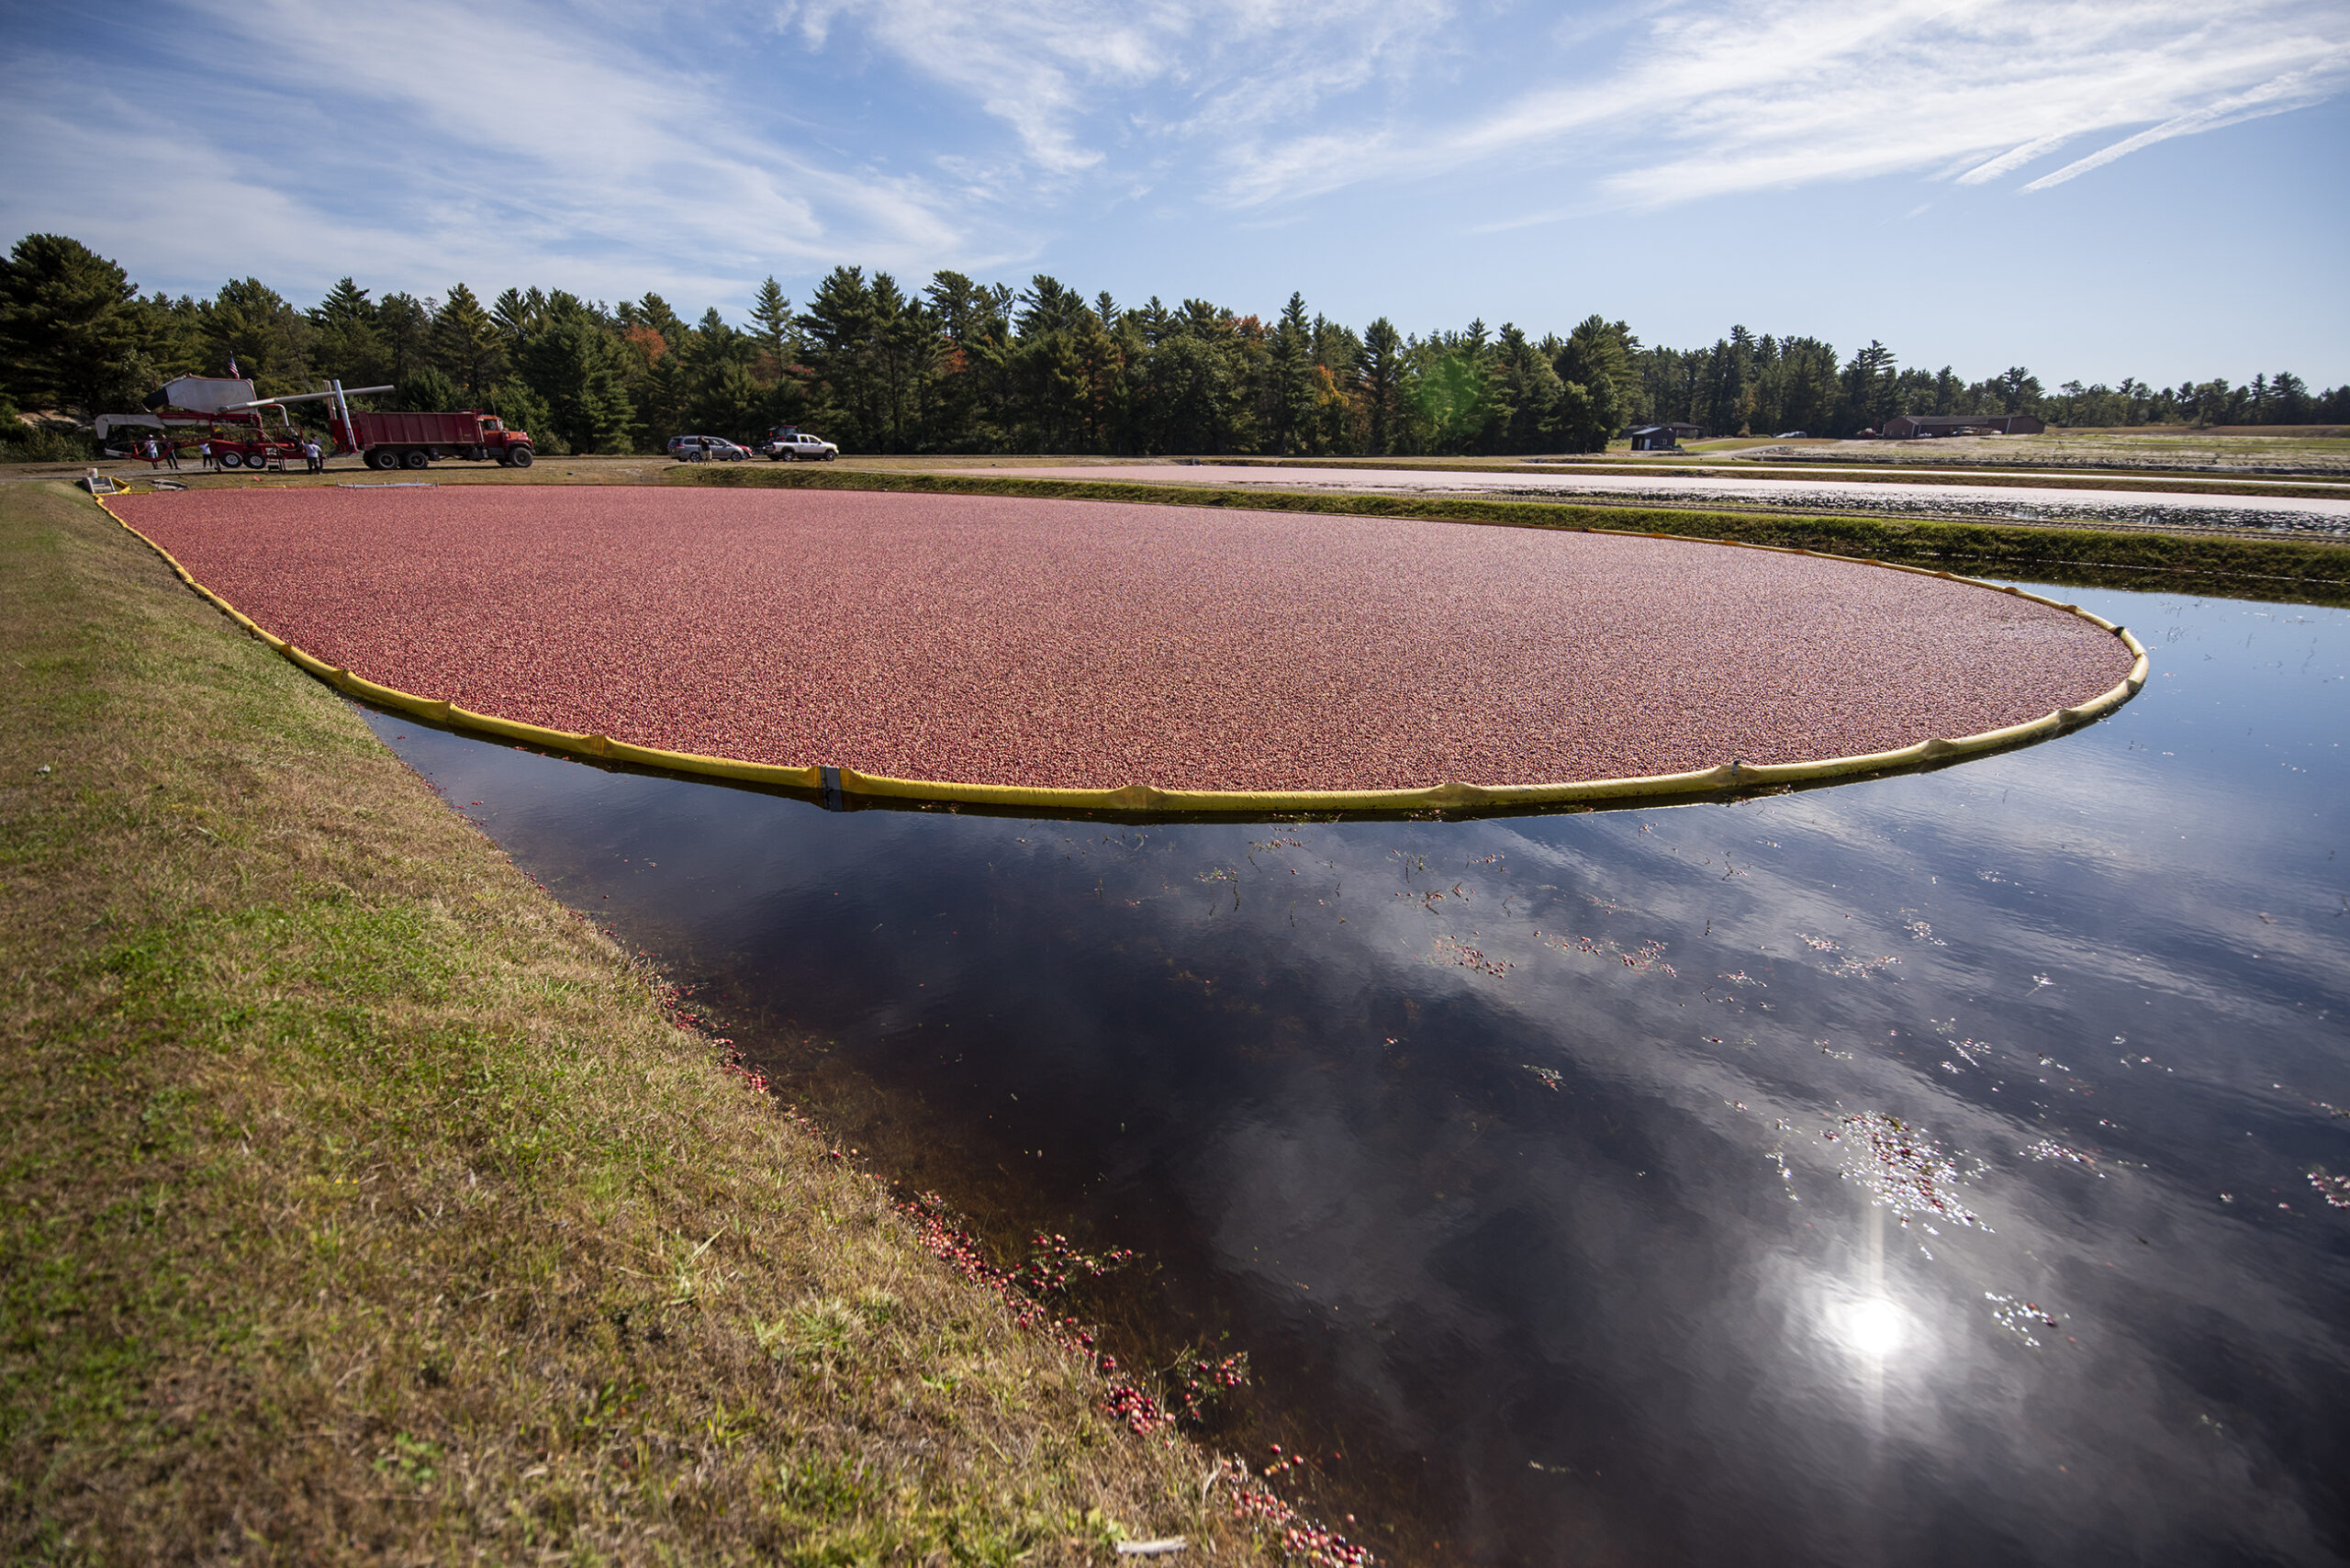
(2221, 566)
(1794, 473)
(362, 1202)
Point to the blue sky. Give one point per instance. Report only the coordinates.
(2093, 189)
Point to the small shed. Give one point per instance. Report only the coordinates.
(1666, 437)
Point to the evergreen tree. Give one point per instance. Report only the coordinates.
(1529, 389)
(1868, 390)
(524, 410)
(405, 324)
(2019, 391)
(518, 315)
(771, 313)
(71, 334)
(1581, 424)
(1598, 357)
(1294, 381)
(426, 389)
(466, 344)
(348, 347)
(250, 324)
(573, 364)
(1382, 385)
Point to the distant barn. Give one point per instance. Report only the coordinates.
(1665, 437)
(1910, 427)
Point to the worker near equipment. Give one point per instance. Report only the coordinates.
(310, 454)
(152, 450)
(205, 449)
(171, 453)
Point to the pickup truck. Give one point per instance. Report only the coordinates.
(785, 444)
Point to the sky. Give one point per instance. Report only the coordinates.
(2091, 188)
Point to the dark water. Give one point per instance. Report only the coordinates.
(1504, 1147)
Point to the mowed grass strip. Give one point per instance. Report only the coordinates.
(363, 1204)
(2228, 565)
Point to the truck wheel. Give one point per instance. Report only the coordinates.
(414, 457)
(383, 458)
(520, 457)
(829, 455)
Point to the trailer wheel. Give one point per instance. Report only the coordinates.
(414, 457)
(520, 457)
(228, 459)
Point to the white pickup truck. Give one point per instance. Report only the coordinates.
(787, 444)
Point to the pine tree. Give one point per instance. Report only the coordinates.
(250, 324)
(466, 344)
(1292, 377)
(518, 315)
(405, 324)
(1598, 357)
(572, 363)
(349, 347)
(70, 333)
(771, 312)
(1382, 384)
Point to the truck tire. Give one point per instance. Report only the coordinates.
(520, 457)
(829, 455)
(414, 457)
(383, 458)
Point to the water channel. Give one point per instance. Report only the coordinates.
(1932, 1168)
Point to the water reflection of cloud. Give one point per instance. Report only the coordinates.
(1654, 1281)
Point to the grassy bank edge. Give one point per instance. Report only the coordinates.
(1794, 472)
(364, 1203)
(2220, 566)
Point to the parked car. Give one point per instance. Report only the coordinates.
(706, 448)
(787, 444)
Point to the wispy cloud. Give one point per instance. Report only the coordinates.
(1802, 91)
(531, 140)
(2294, 90)
(608, 147)
(1070, 80)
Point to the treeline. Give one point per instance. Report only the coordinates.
(967, 367)
(1765, 385)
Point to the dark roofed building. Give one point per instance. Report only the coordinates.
(1910, 427)
(1665, 437)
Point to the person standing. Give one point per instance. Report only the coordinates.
(171, 453)
(311, 455)
(204, 449)
(152, 450)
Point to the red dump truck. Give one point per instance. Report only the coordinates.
(411, 441)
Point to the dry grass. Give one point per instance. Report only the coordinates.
(364, 1205)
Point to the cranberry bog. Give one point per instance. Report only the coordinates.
(1087, 655)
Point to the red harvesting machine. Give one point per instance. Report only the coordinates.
(223, 410)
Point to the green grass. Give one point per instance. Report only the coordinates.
(364, 1205)
(2210, 564)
